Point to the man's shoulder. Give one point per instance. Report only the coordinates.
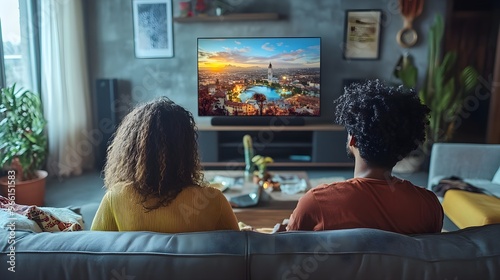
(418, 188)
(332, 187)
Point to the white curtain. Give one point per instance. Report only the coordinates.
(65, 88)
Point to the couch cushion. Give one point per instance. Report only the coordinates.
(339, 254)
(88, 212)
(375, 254)
(467, 209)
(126, 255)
(496, 178)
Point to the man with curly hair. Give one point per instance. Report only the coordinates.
(384, 125)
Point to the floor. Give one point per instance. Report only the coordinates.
(87, 189)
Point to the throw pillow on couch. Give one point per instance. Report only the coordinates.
(38, 219)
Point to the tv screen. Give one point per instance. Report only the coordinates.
(259, 76)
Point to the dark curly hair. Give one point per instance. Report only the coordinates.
(387, 122)
(155, 153)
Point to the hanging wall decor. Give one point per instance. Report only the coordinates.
(410, 9)
(153, 36)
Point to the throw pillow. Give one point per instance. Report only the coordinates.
(496, 178)
(13, 221)
(37, 219)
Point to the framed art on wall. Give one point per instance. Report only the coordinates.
(153, 35)
(362, 34)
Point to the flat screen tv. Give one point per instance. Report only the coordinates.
(258, 77)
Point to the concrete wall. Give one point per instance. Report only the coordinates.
(111, 46)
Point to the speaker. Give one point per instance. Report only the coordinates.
(329, 146)
(105, 112)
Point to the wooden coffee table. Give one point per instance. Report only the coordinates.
(272, 208)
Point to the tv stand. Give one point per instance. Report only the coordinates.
(257, 121)
(310, 145)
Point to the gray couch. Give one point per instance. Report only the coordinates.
(477, 164)
(472, 253)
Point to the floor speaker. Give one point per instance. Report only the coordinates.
(104, 104)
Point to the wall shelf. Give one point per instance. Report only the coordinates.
(229, 17)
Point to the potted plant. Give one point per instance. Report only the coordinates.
(445, 90)
(261, 176)
(23, 145)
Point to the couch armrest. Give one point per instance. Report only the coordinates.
(473, 161)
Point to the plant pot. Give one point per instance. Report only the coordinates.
(31, 192)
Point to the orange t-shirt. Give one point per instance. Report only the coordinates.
(395, 205)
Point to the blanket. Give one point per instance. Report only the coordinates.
(456, 183)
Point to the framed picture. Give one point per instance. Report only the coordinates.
(153, 36)
(362, 34)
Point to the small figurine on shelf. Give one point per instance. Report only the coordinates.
(221, 7)
(185, 9)
(200, 7)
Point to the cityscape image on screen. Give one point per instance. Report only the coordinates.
(259, 76)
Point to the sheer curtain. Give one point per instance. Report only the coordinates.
(65, 89)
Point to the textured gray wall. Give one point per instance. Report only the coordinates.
(111, 47)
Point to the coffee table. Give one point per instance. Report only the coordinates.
(272, 207)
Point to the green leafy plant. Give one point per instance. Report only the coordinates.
(23, 142)
(444, 91)
(406, 71)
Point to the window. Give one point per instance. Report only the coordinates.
(17, 45)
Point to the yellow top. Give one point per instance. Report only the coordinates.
(194, 209)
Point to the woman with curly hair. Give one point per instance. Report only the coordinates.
(384, 124)
(153, 176)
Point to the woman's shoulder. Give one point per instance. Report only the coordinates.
(207, 191)
(196, 192)
(121, 192)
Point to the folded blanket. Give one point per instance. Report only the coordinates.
(456, 183)
(38, 219)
